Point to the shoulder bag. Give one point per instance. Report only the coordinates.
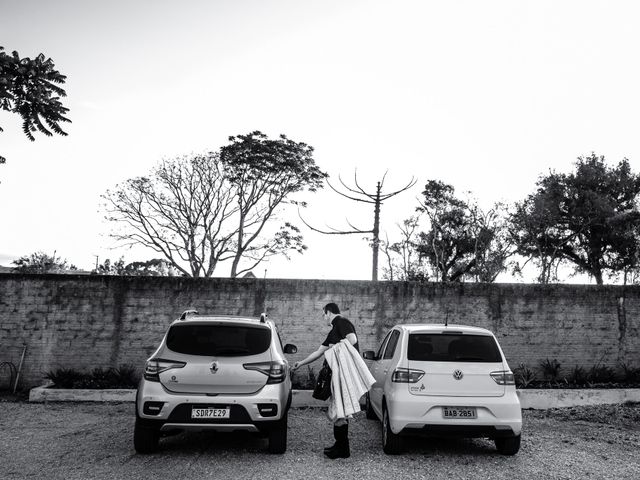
(322, 391)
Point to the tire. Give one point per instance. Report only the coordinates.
(145, 440)
(391, 442)
(278, 437)
(508, 445)
(368, 409)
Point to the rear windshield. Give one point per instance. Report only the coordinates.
(218, 340)
(439, 347)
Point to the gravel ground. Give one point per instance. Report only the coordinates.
(94, 441)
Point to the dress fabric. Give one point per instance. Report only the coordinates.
(350, 380)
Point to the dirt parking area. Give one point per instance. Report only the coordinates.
(94, 441)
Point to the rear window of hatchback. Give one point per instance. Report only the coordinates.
(218, 340)
(443, 347)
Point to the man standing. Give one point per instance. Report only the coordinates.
(341, 328)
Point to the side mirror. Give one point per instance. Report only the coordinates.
(289, 348)
(369, 355)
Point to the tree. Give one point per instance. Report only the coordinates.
(588, 219)
(493, 246)
(264, 174)
(403, 260)
(29, 87)
(40, 262)
(534, 232)
(183, 210)
(156, 267)
(202, 210)
(358, 194)
(462, 240)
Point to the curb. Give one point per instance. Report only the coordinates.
(538, 399)
(44, 393)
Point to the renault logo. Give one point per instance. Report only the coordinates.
(457, 374)
(214, 367)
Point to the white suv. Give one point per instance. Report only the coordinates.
(218, 373)
(439, 380)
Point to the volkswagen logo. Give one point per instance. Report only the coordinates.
(214, 367)
(457, 374)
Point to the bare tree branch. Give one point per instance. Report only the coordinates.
(333, 231)
(347, 196)
(373, 198)
(406, 187)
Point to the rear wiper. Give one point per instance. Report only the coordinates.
(469, 359)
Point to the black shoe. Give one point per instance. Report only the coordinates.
(341, 447)
(336, 436)
(332, 447)
(339, 452)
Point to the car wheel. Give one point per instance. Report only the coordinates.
(371, 415)
(145, 440)
(391, 442)
(278, 437)
(508, 445)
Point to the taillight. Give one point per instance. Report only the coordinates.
(503, 377)
(406, 375)
(276, 371)
(156, 366)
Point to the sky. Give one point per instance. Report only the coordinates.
(486, 96)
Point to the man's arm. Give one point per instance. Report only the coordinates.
(311, 358)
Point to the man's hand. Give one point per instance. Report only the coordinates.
(295, 366)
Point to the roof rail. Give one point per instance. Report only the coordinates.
(188, 313)
(263, 317)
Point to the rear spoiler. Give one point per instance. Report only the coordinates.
(188, 313)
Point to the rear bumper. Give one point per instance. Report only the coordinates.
(190, 427)
(165, 426)
(462, 431)
(245, 413)
(496, 416)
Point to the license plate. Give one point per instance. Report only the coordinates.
(459, 412)
(210, 412)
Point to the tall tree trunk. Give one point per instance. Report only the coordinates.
(376, 235)
(598, 276)
(238, 255)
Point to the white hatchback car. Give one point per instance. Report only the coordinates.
(215, 373)
(442, 381)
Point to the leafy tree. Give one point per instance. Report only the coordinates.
(202, 210)
(29, 87)
(588, 219)
(462, 240)
(493, 246)
(403, 260)
(40, 262)
(110, 268)
(156, 267)
(182, 210)
(533, 229)
(265, 173)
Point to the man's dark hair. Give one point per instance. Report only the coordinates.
(331, 307)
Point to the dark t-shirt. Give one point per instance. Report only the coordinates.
(341, 328)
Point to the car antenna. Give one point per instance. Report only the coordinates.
(446, 319)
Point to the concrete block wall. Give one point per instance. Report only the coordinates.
(86, 322)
